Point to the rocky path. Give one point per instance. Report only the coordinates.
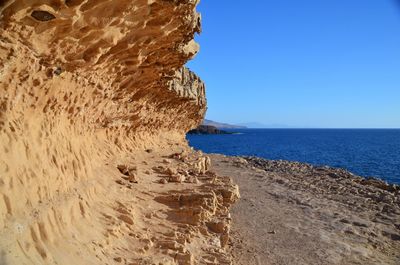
(293, 213)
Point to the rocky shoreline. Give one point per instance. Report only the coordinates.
(337, 176)
(304, 214)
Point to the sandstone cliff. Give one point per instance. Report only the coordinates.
(94, 167)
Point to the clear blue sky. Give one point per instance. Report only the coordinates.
(311, 63)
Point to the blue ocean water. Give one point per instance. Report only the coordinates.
(365, 152)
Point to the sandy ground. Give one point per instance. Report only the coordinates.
(291, 213)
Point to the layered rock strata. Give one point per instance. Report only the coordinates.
(93, 94)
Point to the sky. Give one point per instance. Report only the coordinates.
(311, 63)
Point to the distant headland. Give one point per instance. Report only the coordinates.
(207, 129)
(220, 125)
(213, 127)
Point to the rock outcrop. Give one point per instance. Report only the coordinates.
(92, 95)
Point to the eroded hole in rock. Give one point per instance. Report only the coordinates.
(42, 15)
(58, 70)
(49, 73)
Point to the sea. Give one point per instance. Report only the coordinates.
(364, 152)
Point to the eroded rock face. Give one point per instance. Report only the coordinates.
(85, 87)
(108, 64)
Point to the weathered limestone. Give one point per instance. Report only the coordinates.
(92, 92)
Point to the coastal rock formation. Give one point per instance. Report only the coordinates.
(93, 96)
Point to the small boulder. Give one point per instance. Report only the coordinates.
(177, 178)
(163, 181)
